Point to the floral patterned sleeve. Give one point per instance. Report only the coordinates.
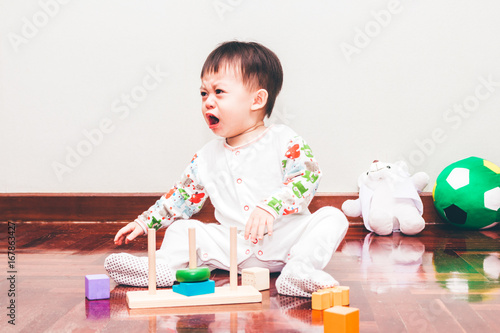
(185, 199)
(301, 176)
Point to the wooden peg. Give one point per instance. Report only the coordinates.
(152, 261)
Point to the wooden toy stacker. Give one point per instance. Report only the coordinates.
(153, 298)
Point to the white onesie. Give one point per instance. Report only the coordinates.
(276, 172)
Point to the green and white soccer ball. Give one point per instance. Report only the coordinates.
(467, 193)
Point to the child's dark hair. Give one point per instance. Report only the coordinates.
(258, 66)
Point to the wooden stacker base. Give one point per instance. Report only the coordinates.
(167, 298)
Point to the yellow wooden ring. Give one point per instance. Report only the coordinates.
(198, 274)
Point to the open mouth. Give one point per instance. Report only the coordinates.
(212, 120)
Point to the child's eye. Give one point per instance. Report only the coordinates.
(203, 94)
(219, 91)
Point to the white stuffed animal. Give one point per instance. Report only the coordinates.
(389, 199)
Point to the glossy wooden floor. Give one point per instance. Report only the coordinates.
(445, 280)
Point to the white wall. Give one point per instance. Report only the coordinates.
(364, 80)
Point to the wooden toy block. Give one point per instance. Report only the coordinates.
(321, 300)
(233, 294)
(330, 296)
(341, 319)
(97, 286)
(255, 276)
(338, 295)
(345, 295)
(194, 288)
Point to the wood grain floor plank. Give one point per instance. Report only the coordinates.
(435, 282)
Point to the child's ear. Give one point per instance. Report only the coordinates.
(259, 100)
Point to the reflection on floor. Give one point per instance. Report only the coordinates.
(443, 280)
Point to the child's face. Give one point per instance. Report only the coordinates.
(227, 103)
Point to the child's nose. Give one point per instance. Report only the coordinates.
(209, 103)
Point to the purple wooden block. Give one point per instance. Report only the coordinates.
(96, 286)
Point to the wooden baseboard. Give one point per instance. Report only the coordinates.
(126, 206)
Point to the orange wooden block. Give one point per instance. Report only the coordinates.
(345, 295)
(336, 299)
(336, 296)
(320, 300)
(341, 319)
(330, 296)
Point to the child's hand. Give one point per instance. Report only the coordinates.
(128, 233)
(257, 223)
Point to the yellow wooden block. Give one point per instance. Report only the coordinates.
(341, 319)
(330, 296)
(255, 276)
(345, 295)
(336, 297)
(320, 300)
